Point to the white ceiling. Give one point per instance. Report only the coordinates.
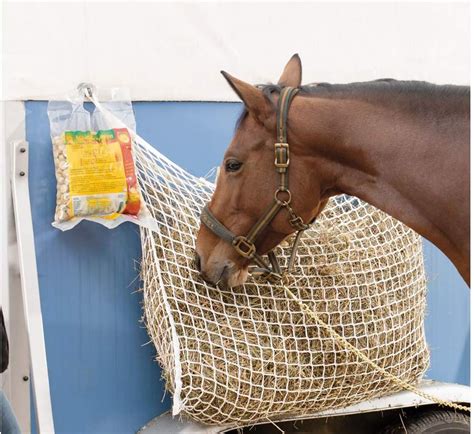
(174, 51)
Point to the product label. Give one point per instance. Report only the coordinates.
(101, 171)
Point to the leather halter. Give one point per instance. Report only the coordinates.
(245, 245)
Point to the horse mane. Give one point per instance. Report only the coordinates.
(411, 94)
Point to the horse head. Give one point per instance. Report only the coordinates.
(248, 183)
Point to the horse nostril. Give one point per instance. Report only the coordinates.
(197, 262)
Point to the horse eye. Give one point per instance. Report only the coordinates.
(232, 165)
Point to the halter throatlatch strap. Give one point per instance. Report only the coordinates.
(245, 245)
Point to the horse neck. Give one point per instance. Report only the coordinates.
(399, 161)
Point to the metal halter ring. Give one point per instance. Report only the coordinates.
(283, 202)
(237, 242)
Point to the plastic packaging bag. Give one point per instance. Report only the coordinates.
(94, 162)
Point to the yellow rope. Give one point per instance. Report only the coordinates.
(348, 346)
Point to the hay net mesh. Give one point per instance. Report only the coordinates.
(249, 353)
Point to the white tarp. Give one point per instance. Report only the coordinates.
(174, 51)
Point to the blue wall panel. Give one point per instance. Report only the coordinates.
(447, 322)
(103, 380)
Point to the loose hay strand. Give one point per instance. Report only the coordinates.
(252, 353)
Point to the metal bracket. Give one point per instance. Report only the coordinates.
(30, 287)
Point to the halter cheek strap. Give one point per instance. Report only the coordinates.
(245, 245)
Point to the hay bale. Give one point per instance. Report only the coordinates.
(249, 353)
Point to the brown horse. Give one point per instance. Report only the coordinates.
(402, 146)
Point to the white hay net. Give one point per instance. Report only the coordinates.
(249, 353)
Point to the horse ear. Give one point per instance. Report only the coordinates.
(292, 73)
(253, 98)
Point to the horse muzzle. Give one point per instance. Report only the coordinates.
(223, 273)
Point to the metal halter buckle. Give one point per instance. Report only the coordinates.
(237, 242)
(281, 164)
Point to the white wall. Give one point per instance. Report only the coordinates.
(174, 51)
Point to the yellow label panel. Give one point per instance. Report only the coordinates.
(97, 181)
(95, 168)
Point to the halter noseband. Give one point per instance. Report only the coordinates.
(245, 245)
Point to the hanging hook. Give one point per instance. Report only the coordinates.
(86, 89)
